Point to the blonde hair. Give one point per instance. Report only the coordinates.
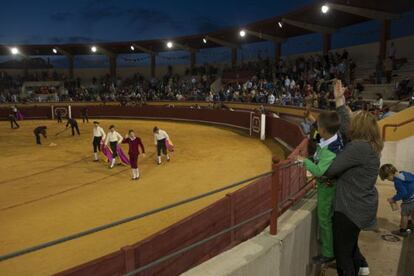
(364, 126)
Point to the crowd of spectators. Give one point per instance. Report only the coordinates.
(300, 81)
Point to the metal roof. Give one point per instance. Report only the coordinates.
(301, 21)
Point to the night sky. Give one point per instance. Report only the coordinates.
(75, 21)
(87, 21)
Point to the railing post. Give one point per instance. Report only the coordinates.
(232, 219)
(274, 191)
(129, 258)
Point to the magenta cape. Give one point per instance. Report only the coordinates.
(108, 154)
(169, 144)
(19, 116)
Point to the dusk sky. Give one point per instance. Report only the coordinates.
(86, 21)
(75, 21)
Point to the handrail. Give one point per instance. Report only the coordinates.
(193, 245)
(384, 127)
(125, 220)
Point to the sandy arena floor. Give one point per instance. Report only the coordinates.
(48, 192)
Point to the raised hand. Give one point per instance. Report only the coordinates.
(338, 89)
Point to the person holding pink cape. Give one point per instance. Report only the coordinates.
(134, 143)
(113, 138)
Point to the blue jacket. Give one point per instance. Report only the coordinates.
(404, 184)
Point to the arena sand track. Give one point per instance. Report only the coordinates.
(48, 192)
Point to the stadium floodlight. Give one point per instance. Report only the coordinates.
(54, 51)
(132, 48)
(93, 49)
(280, 24)
(204, 40)
(325, 8)
(170, 44)
(14, 50)
(242, 33)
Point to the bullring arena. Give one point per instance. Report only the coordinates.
(60, 191)
(265, 154)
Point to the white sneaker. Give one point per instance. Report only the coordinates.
(363, 271)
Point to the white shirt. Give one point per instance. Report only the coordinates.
(160, 135)
(271, 99)
(113, 137)
(99, 132)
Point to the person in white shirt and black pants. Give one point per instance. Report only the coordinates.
(160, 137)
(98, 136)
(112, 140)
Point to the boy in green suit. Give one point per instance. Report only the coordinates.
(330, 144)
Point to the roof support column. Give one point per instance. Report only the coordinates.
(233, 57)
(278, 51)
(152, 65)
(384, 37)
(71, 66)
(112, 66)
(327, 41)
(193, 60)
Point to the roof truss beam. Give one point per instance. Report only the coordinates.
(266, 36)
(222, 42)
(63, 52)
(143, 49)
(309, 26)
(368, 13)
(185, 47)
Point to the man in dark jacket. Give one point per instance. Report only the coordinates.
(40, 130)
(74, 125)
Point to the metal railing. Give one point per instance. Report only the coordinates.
(395, 126)
(126, 220)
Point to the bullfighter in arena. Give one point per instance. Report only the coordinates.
(134, 143)
(74, 125)
(161, 140)
(12, 119)
(113, 138)
(40, 130)
(98, 136)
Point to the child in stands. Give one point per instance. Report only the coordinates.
(330, 144)
(404, 184)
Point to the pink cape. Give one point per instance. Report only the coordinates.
(169, 144)
(108, 154)
(19, 116)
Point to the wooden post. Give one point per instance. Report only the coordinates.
(112, 66)
(152, 65)
(129, 257)
(232, 219)
(233, 57)
(278, 51)
(193, 60)
(71, 66)
(274, 191)
(326, 38)
(384, 37)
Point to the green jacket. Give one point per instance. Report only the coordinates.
(324, 156)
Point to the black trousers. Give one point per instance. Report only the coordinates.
(38, 138)
(113, 146)
(14, 122)
(96, 143)
(59, 119)
(161, 147)
(75, 127)
(85, 118)
(348, 256)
